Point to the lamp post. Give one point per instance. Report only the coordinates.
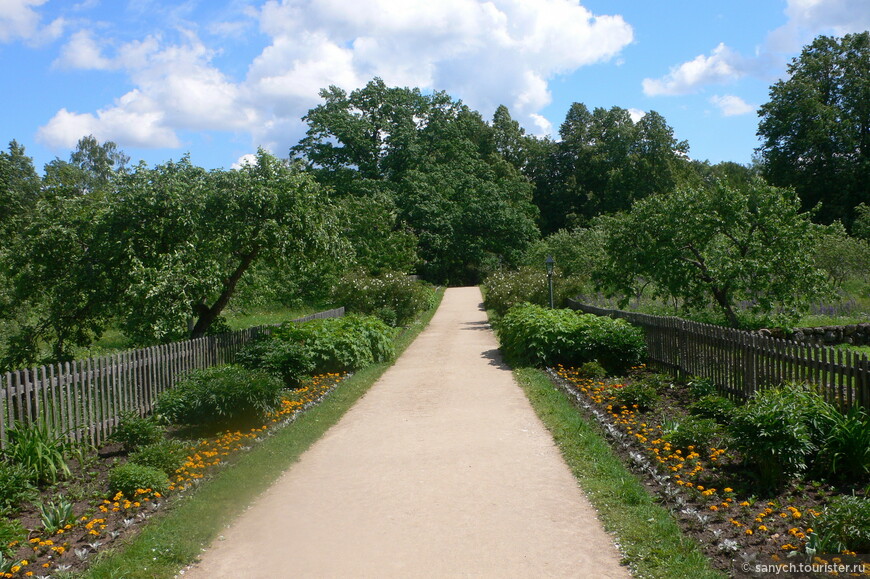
(550, 265)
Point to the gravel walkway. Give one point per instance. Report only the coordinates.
(441, 470)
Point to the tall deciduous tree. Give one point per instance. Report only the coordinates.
(438, 160)
(816, 127)
(718, 246)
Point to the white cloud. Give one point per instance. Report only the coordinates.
(249, 159)
(484, 52)
(809, 18)
(544, 127)
(721, 67)
(730, 105)
(636, 114)
(20, 20)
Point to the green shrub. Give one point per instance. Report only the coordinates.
(220, 396)
(700, 387)
(393, 297)
(537, 336)
(11, 530)
(331, 345)
(39, 449)
(506, 289)
(639, 394)
(718, 408)
(288, 359)
(166, 455)
(776, 431)
(130, 477)
(15, 486)
(691, 431)
(845, 448)
(593, 371)
(134, 431)
(844, 525)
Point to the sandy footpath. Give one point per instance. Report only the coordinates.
(441, 470)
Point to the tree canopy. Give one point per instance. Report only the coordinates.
(816, 127)
(719, 245)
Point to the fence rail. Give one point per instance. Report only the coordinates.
(741, 362)
(85, 399)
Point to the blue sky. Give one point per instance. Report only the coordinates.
(218, 78)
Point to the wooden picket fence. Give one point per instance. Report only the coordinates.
(741, 362)
(85, 399)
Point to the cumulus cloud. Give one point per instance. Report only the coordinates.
(730, 105)
(19, 20)
(722, 66)
(636, 114)
(809, 18)
(484, 52)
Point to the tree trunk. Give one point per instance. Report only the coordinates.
(725, 303)
(207, 314)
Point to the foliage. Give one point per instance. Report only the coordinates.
(845, 446)
(639, 395)
(844, 525)
(11, 531)
(778, 430)
(604, 162)
(700, 387)
(287, 359)
(165, 455)
(392, 296)
(39, 449)
(842, 257)
(130, 477)
(221, 395)
(533, 335)
(437, 163)
(577, 252)
(592, 370)
(712, 406)
(719, 245)
(861, 225)
(691, 431)
(378, 241)
(507, 288)
(56, 514)
(15, 487)
(134, 431)
(814, 128)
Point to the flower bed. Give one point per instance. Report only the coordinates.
(92, 520)
(706, 486)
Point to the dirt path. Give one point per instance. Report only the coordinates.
(441, 470)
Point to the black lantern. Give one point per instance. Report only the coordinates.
(551, 264)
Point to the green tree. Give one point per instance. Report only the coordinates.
(186, 238)
(861, 226)
(719, 245)
(816, 127)
(436, 159)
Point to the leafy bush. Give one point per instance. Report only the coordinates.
(166, 455)
(506, 289)
(128, 478)
(220, 396)
(639, 394)
(593, 371)
(845, 448)
(135, 431)
(533, 335)
(844, 525)
(777, 431)
(700, 387)
(718, 408)
(331, 345)
(290, 360)
(40, 450)
(393, 297)
(11, 530)
(690, 431)
(15, 487)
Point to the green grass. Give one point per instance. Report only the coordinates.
(650, 539)
(175, 538)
